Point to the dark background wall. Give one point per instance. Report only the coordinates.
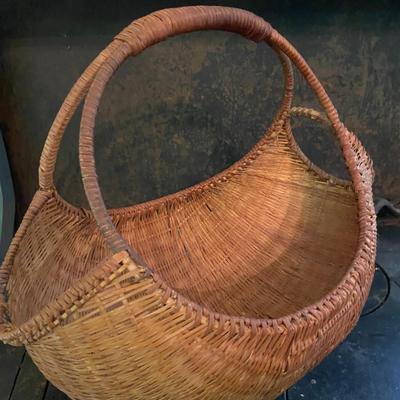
(192, 105)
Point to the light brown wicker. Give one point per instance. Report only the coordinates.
(256, 274)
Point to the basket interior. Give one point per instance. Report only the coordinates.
(265, 243)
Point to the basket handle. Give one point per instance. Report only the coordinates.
(51, 147)
(79, 90)
(162, 24)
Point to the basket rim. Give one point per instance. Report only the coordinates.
(48, 318)
(221, 177)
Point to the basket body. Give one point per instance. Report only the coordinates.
(134, 340)
(258, 273)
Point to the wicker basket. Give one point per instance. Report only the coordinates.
(245, 281)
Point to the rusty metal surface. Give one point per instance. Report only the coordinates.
(192, 105)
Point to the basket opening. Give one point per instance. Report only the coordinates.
(268, 241)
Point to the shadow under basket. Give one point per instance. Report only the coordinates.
(244, 282)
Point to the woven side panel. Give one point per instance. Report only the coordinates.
(268, 239)
(58, 248)
(156, 350)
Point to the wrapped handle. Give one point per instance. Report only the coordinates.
(135, 38)
(163, 24)
(79, 90)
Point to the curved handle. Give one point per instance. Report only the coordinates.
(78, 92)
(158, 26)
(134, 39)
(51, 147)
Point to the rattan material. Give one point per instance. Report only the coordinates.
(244, 282)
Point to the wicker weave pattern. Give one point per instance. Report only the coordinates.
(239, 285)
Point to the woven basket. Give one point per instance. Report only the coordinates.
(244, 282)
